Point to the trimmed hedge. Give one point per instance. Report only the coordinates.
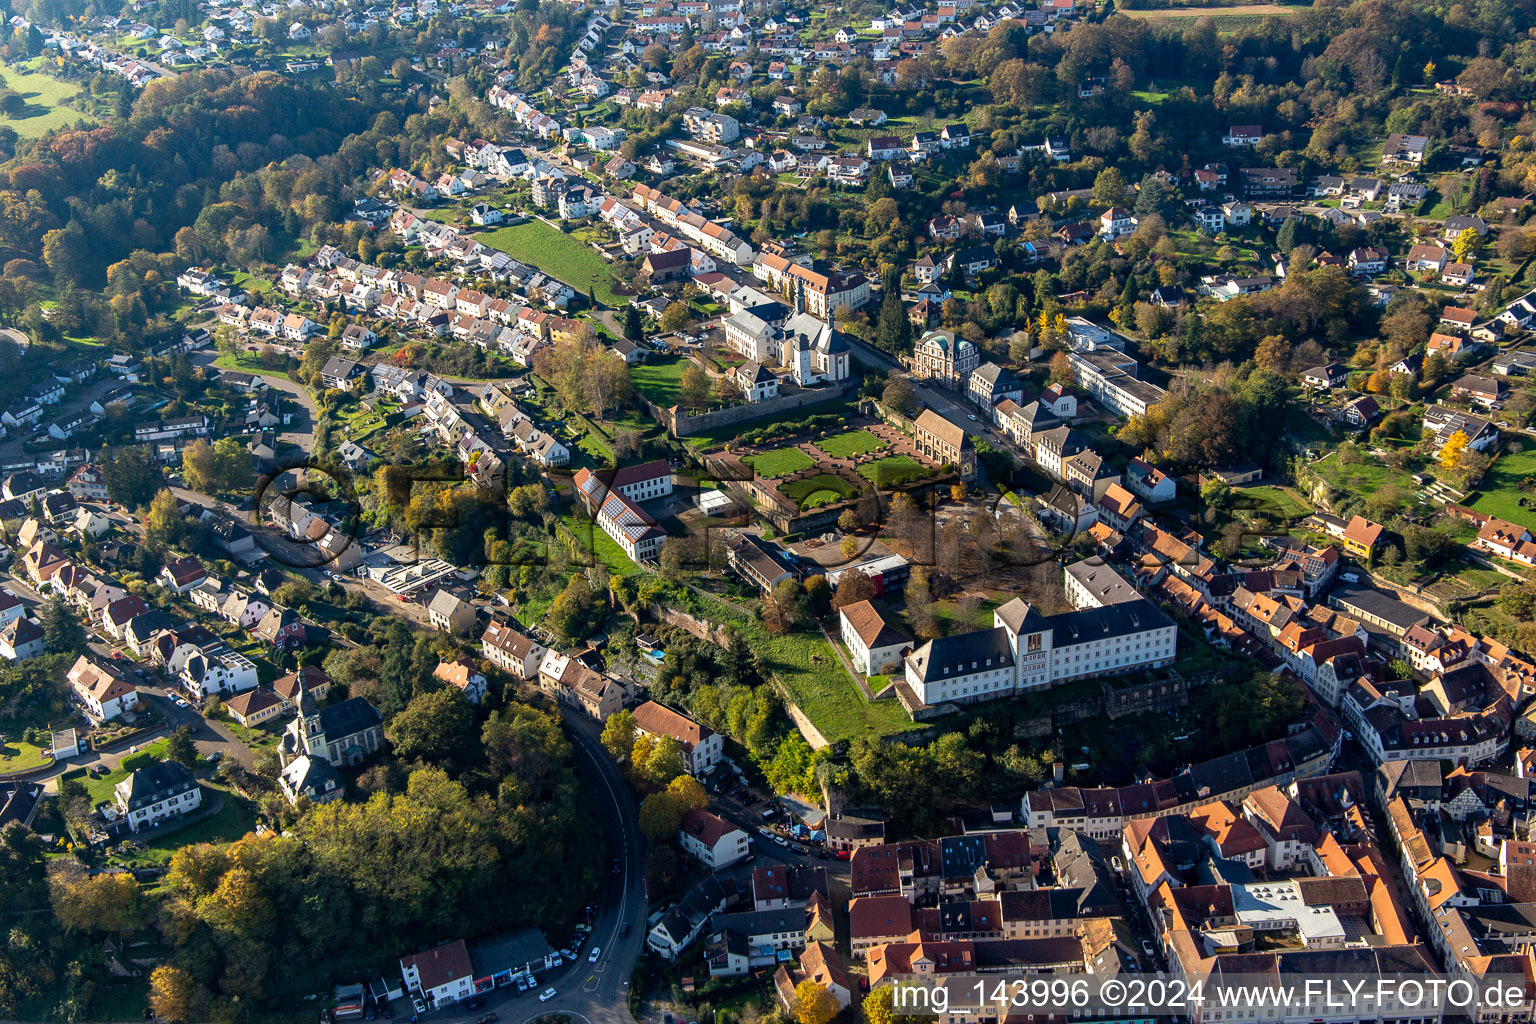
(133, 762)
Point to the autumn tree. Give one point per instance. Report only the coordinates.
(1061, 369)
(676, 316)
(175, 996)
(164, 524)
(197, 466)
(813, 1003)
(1450, 453)
(619, 736)
(693, 388)
(657, 760)
(853, 586)
(106, 902)
(1466, 245)
(879, 1007)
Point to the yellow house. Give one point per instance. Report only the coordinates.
(1361, 536)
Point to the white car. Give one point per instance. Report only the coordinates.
(546, 995)
(597, 951)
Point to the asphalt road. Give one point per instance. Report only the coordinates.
(302, 430)
(153, 691)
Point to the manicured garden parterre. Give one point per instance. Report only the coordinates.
(892, 470)
(779, 462)
(850, 444)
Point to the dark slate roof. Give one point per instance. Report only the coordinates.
(950, 656)
(348, 717)
(157, 781)
(1112, 620)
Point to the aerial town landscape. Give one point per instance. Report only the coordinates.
(722, 511)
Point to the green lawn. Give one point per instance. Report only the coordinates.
(1273, 501)
(660, 380)
(891, 471)
(101, 789)
(1361, 478)
(779, 462)
(723, 435)
(816, 681)
(854, 442)
(245, 363)
(571, 260)
(606, 550)
(818, 490)
(1499, 496)
(264, 735)
(232, 821)
(44, 109)
(18, 756)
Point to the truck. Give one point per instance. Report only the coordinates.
(350, 1003)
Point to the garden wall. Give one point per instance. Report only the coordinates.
(683, 424)
(689, 624)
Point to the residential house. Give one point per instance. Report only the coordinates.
(711, 840)
(155, 794)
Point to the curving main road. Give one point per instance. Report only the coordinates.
(591, 993)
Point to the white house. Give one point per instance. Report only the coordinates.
(875, 645)
(440, 975)
(156, 793)
(103, 692)
(711, 840)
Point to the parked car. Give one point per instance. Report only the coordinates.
(472, 1004)
(592, 957)
(765, 833)
(781, 841)
(489, 1018)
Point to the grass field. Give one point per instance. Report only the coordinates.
(779, 462)
(1361, 478)
(818, 490)
(1500, 496)
(44, 109)
(660, 380)
(569, 259)
(1272, 501)
(243, 362)
(808, 667)
(606, 550)
(854, 442)
(101, 789)
(889, 472)
(18, 756)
